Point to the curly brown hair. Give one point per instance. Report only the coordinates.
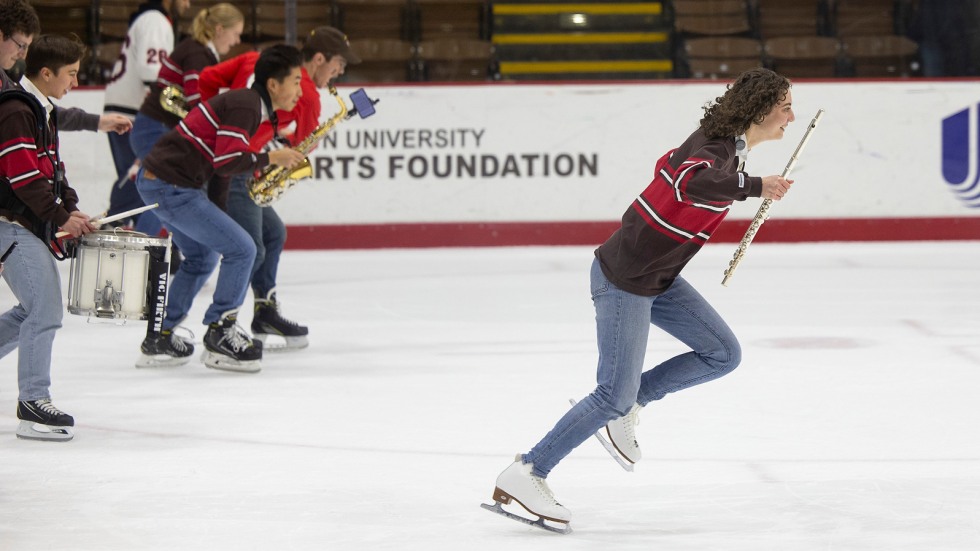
(17, 16)
(747, 100)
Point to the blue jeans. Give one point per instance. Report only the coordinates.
(204, 234)
(32, 275)
(623, 325)
(267, 231)
(146, 132)
(124, 195)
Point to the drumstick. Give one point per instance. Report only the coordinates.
(113, 218)
(9, 250)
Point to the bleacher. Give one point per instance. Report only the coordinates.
(600, 39)
(487, 40)
(798, 38)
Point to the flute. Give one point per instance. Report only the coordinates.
(763, 213)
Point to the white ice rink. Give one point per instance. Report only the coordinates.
(851, 424)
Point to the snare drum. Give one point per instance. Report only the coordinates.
(110, 272)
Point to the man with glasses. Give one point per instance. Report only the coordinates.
(20, 46)
(18, 25)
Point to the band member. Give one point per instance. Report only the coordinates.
(213, 140)
(214, 32)
(149, 40)
(35, 202)
(18, 25)
(636, 282)
(326, 52)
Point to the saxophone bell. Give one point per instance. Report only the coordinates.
(172, 100)
(301, 171)
(264, 194)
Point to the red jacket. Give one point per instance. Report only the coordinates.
(238, 72)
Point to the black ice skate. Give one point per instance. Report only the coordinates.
(268, 321)
(39, 420)
(228, 347)
(165, 350)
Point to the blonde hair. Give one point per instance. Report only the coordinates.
(208, 19)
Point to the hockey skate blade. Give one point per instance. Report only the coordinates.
(540, 523)
(28, 430)
(290, 344)
(161, 360)
(610, 448)
(223, 363)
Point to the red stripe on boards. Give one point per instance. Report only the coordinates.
(501, 234)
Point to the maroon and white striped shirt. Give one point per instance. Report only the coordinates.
(691, 193)
(27, 163)
(211, 140)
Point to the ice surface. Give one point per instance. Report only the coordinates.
(851, 423)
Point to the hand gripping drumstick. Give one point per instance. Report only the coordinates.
(113, 218)
(763, 212)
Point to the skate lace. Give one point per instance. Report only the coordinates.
(178, 343)
(237, 337)
(278, 312)
(181, 343)
(631, 420)
(189, 338)
(541, 485)
(46, 406)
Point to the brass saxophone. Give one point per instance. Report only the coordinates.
(172, 100)
(274, 180)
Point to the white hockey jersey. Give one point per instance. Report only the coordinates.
(150, 38)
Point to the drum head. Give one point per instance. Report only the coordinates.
(117, 238)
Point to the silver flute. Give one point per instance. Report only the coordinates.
(763, 214)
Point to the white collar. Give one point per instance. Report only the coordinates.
(214, 50)
(265, 111)
(742, 152)
(28, 86)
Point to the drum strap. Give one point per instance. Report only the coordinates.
(44, 230)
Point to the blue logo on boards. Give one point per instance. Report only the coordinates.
(961, 155)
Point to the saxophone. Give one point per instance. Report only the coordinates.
(274, 180)
(172, 100)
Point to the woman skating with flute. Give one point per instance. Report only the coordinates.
(636, 282)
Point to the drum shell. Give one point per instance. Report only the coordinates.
(109, 274)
